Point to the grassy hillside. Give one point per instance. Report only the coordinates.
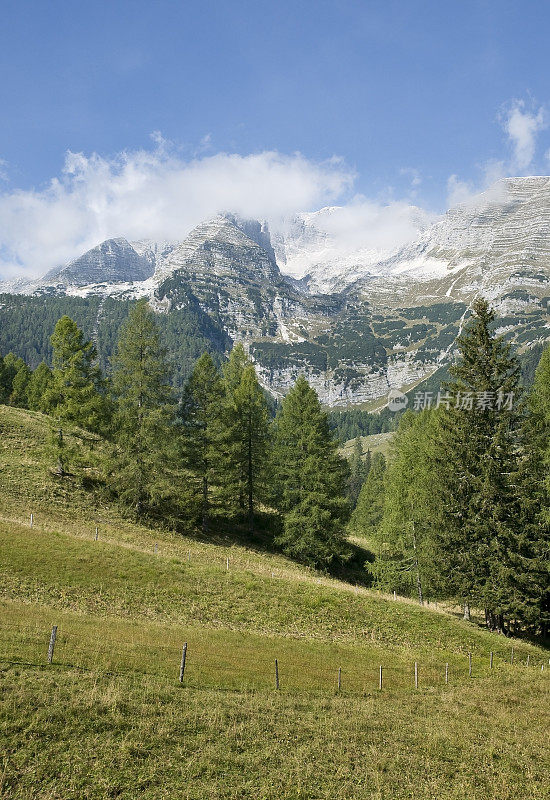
(109, 719)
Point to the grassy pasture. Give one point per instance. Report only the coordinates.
(109, 719)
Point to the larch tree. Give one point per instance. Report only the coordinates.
(143, 468)
(200, 427)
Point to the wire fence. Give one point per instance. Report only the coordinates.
(205, 664)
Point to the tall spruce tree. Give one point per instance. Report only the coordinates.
(200, 416)
(143, 467)
(310, 481)
(475, 461)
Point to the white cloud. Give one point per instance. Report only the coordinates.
(153, 194)
(522, 127)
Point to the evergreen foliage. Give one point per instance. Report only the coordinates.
(200, 415)
(143, 467)
(366, 517)
(402, 540)
(244, 436)
(476, 458)
(310, 482)
(75, 395)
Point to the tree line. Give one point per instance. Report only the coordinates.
(460, 511)
(214, 452)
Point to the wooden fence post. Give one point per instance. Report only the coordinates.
(96, 534)
(32, 520)
(183, 658)
(446, 673)
(52, 644)
(227, 563)
(339, 678)
(528, 660)
(416, 674)
(491, 660)
(380, 679)
(276, 674)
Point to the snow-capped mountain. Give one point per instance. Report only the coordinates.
(357, 314)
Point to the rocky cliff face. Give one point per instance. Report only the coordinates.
(359, 322)
(111, 262)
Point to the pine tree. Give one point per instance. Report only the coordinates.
(76, 394)
(200, 415)
(476, 457)
(367, 515)
(144, 462)
(310, 481)
(358, 473)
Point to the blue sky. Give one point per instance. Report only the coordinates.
(406, 94)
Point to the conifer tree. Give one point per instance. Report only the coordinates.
(310, 481)
(75, 395)
(248, 434)
(532, 559)
(38, 388)
(20, 385)
(144, 466)
(367, 514)
(402, 540)
(476, 459)
(242, 434)
(200, 414)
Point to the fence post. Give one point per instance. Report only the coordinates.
(183, 658)
(380, 679)
(227, 563)
(491, 660)
(32, 519)
(276, 674)
(446, 673)
(156, 548)
(394, 595)
(416, 674)
(339, 678)
(96, 534)
(528, 660)
(512, 656)
(52, 644)
(469, 665)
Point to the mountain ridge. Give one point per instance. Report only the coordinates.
(389, 323)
